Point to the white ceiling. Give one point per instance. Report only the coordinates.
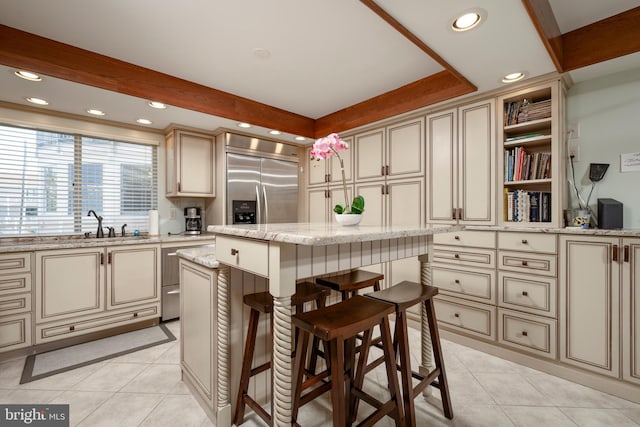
(324, 55)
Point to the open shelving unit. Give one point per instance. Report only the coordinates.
(530, 162)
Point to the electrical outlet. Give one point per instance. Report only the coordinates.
(574, 150)
(173, 213)
(573, 130)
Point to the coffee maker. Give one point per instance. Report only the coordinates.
(192, 221)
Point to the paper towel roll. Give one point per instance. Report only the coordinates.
(153, 222)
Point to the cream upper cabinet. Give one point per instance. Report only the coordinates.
(133, 275)
(631, 310)
(396, 151)
(461, 165)
(329, 171)
(69, 283)
(590, 303)
(320, 202)
(190, 164)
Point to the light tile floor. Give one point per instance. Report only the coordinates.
(144, 389)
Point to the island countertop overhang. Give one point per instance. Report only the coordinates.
(320, 234)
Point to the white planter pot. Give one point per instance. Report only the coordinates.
(348, 219)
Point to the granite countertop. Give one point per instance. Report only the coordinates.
(627, 232)
(319, 234)
(205, 255)
(77, 241)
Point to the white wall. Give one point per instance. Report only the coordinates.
(607, 112)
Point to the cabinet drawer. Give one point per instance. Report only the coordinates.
(15, 332)
(14, 304)
(60, 330)
(471, 283)
(531, 242)
(14, 283)
(527, 262)
(245, 254)
(468, 317)
(15, 263)
(485, 258)
(526, 332)
(534, 294)
(478, 239)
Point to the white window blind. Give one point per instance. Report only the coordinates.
(50, 181)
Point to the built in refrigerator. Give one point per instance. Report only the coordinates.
(262, 181)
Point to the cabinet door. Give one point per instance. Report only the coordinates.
(590, 303)
(369, 152)
(476, 163)
(405, 149)
(133, 275)
(195, 164)
(316, 170)
(442, 166)
(334, 170)
(374, 203)
(336, 195)
(631, 310)
(69, 283)
(317, 205)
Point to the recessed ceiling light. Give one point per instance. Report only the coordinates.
(144, 121)
(37, 101)
(156, 104)
(274, 132)
(300, 138)
(96, 112)
(28, 75)
(513, 77)
(468, 19)
(244, 125)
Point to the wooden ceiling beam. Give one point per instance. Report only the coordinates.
(547, 27)
(427, 91)
(28, 51)
(609, 38)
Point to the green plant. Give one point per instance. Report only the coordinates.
(357, 206)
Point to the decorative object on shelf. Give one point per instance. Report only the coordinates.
(324, 148)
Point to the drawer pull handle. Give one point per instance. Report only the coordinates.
(456, 256)
(456, 315)
(525, 263)
(235, 251)
(524, 241)
(135, 315)
(457, 237)
(525, 293)
(72, 328)
(524, 333)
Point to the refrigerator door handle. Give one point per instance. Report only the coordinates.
(258, 202)
(266, 205)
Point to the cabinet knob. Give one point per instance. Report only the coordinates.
(525, 293)
(525, 263)
(457, 281)
(525, 241)
(456, 256)
(456, 237)
(524, 333)
(234, 251)
(72, 328)
(456, 314)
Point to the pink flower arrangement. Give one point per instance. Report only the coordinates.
(327, 146)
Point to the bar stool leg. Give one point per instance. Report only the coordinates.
(401, 341)
(254, 317)
(437, 355)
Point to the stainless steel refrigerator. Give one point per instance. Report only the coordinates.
(262, 185)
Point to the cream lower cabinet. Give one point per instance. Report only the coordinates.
(461, 165)
(15, 301)
(631, 310)
(198, 331)
(79, 291)
(321, 201)
(590, 303)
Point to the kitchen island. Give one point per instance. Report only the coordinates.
(282, 254)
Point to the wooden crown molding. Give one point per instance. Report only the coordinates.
(609, 38)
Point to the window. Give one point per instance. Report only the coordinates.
(49, 181)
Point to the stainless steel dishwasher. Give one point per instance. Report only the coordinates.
(171, 282)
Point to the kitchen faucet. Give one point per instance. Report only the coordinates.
(99, 233)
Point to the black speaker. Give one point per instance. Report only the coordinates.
(609, 214)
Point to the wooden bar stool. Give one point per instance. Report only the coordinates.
(404, 295)
(262, 302)
(338, 325)
(348, 284)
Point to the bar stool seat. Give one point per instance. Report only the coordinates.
(337, 325)
(348, 284)
(262, 302)
(404, 295)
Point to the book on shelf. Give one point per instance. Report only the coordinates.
(523, 166)
(524, 111)
(528, 206)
